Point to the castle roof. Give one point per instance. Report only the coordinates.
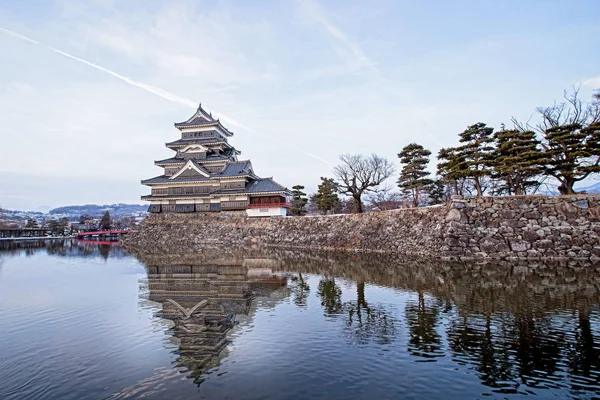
(237, 168)
(265, 185)
(260, 185)
(205, 157)
(179, 179)
(179, 160)
(202, 118)
(202, 141)
(232, 169)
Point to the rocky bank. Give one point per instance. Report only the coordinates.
(515, 227)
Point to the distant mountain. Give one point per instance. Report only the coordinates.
(552, 191)
(592, 189)
(95, 210)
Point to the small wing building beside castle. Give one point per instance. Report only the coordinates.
(205, 175)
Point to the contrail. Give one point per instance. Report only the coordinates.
(158, 92)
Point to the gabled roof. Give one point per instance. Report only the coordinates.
(237, 168)
(191, 165)
(265, 185)
(202, 118)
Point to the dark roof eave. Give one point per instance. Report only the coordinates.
(169, 181)
(182, 143)
(227, 132)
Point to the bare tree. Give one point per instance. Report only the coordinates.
(572, 111)
(386, 198)
(569, 133)
(359, 174)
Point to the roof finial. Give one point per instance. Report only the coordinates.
(199, 105)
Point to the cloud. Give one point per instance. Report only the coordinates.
(182, 40)
(592, 82)
(356, 58)
(149, 88)
(161, 93)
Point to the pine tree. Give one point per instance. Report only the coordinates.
(105, 222)
(299, 200)
(517, 160)
(437, 193)
(450, 167)
(53, 226)
(476, 153)
(414, 175)
(32, 223)
(326, 197)
(571, 153)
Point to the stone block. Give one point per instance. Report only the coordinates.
(458, 204)
(454, 215)
(581, 203)
(519, 245)
(544, 244)
(530, 236)
(532, 215)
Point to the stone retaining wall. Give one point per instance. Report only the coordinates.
(492, 227)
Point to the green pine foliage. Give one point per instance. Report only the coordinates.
(437, 192)
(572, 153)
(451, 167)
(476, 154)
(413, 178)
(299, 200)
(326, 197)
(105, 222)
(32, 223)
(517, 161)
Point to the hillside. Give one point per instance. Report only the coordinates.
(592, 189)
(95, 210)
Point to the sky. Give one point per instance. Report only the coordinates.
(89, 90)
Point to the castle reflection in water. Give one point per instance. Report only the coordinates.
(205, 298)
(519, 327)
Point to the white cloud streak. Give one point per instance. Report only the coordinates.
(592, 82)
(158, 92)
(360, 58)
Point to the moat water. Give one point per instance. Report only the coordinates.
(90, 321)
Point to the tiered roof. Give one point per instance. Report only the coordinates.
(200, 119)
(216, 154)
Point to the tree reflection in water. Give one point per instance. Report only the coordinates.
(422, 319)
(519, 327)
(63, 248)
(584, 354)
(300, 290)
(331, 296)
(367, 323)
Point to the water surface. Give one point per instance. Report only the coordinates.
(89, 321)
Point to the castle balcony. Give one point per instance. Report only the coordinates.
(270, 205)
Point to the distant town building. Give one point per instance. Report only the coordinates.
(205, 175)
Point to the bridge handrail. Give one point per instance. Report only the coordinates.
(108, 232)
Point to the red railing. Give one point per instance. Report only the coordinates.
(98, 233)
(270, 205)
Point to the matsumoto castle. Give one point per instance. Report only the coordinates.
(205, 175)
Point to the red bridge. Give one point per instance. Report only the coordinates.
(114, 233)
